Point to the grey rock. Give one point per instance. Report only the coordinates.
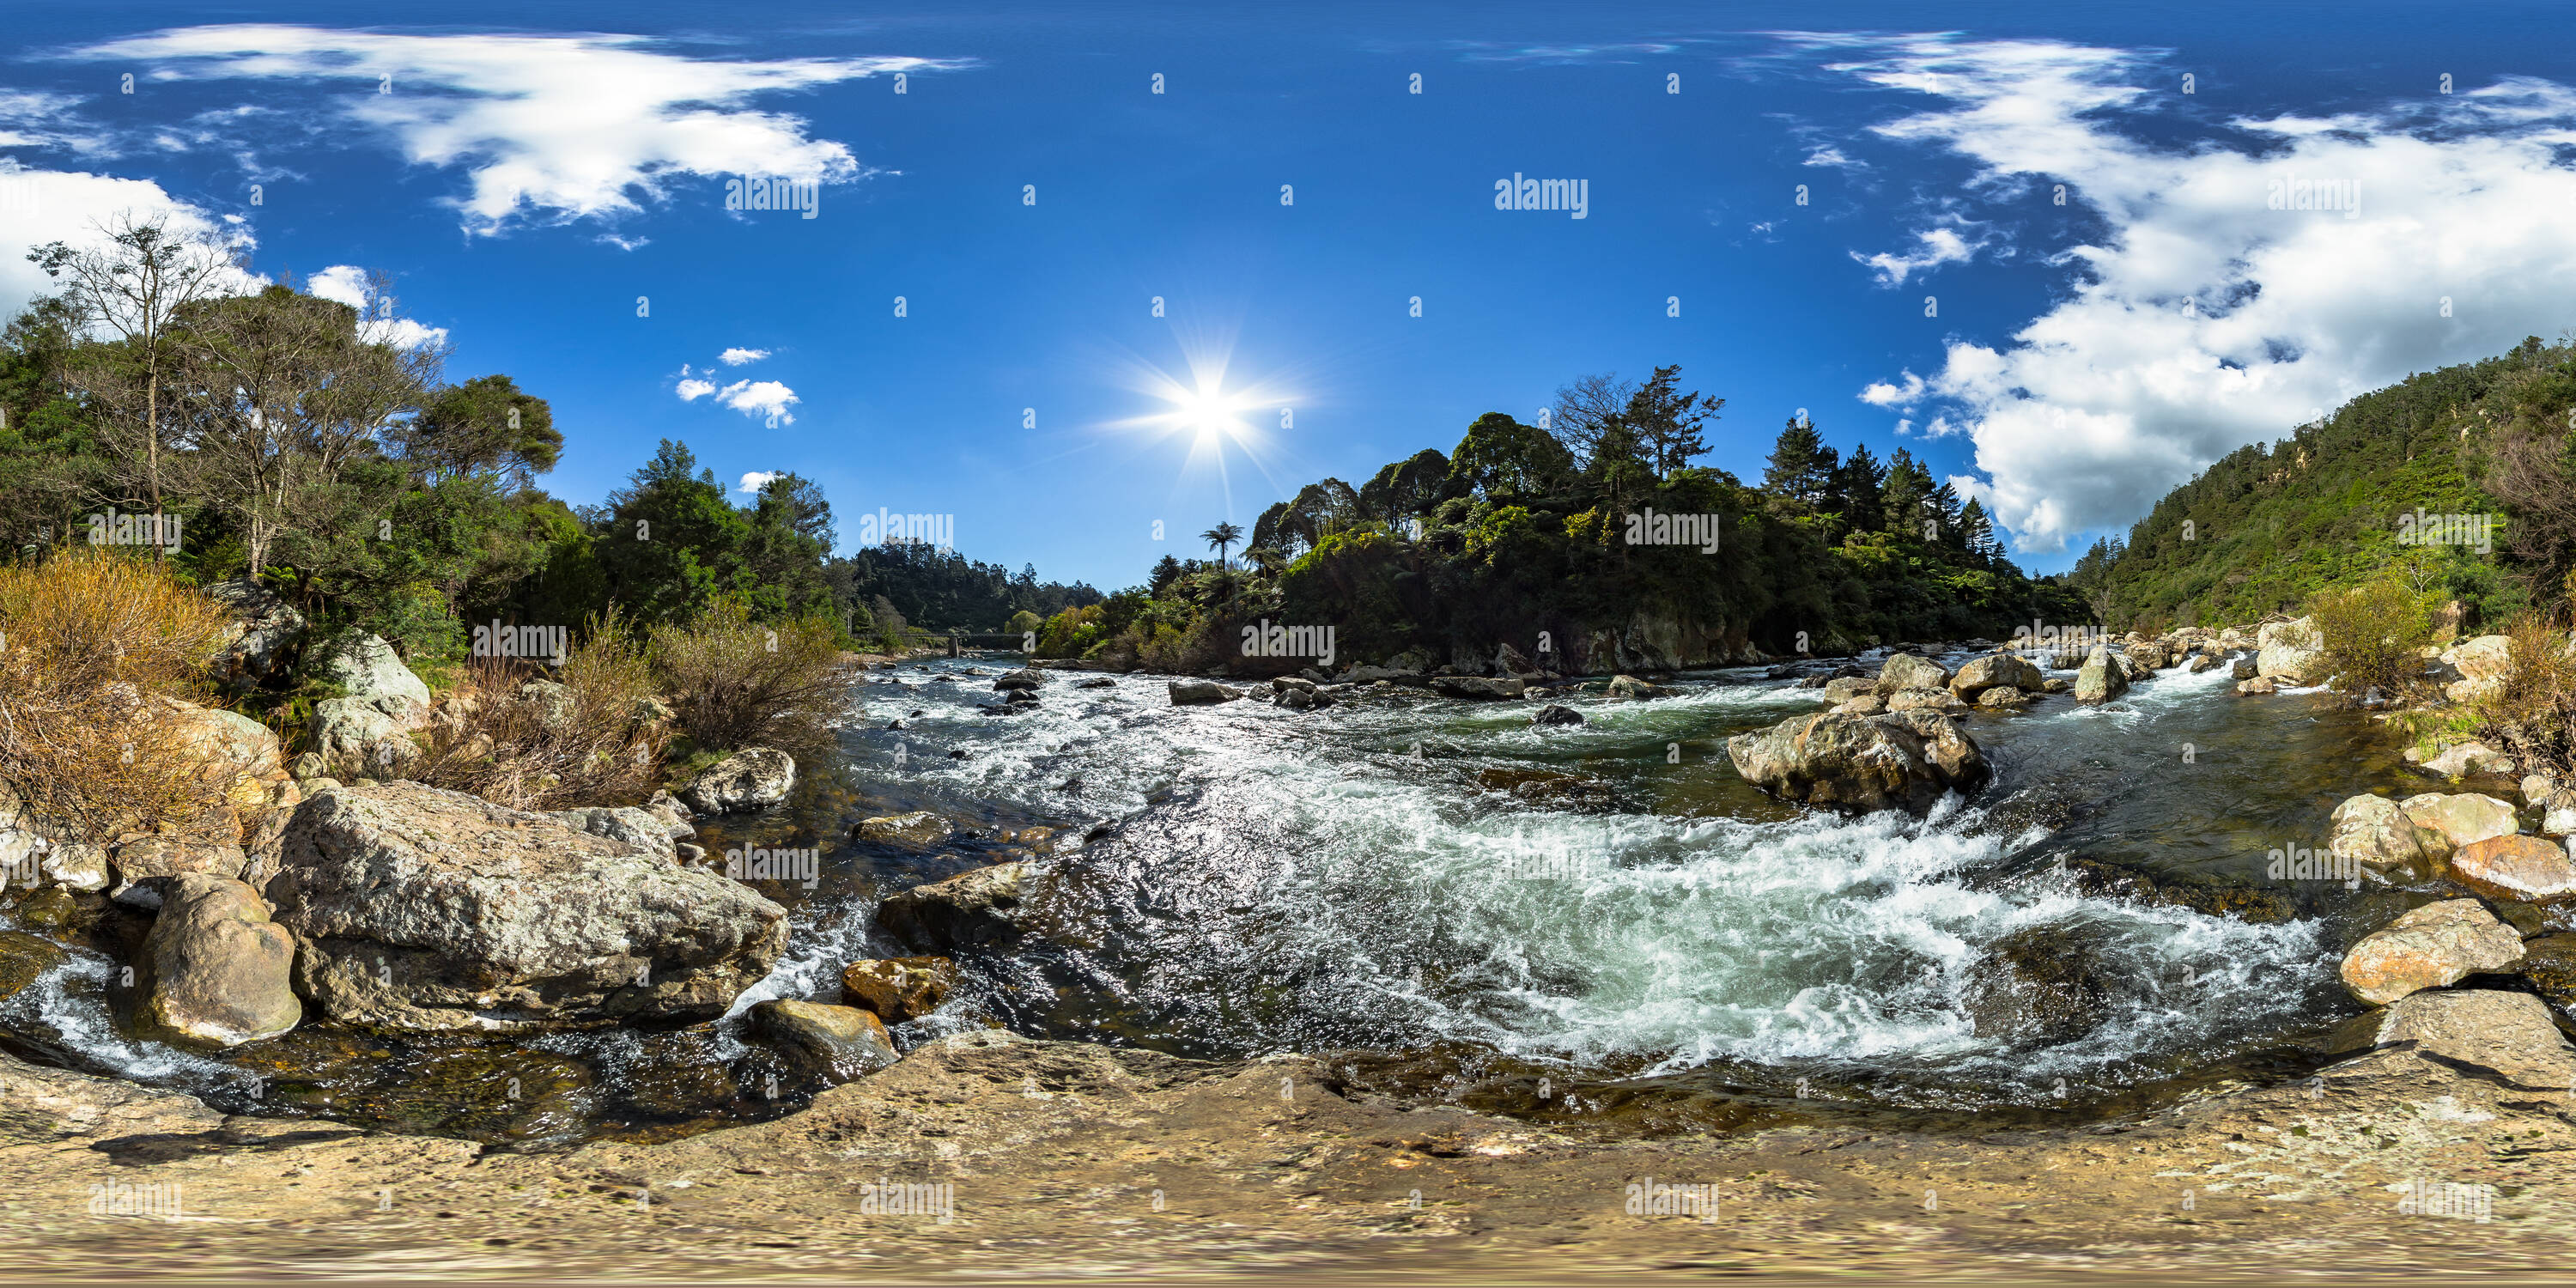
(263, 630)
(640, 828)
(216, 970)
(978, 907)
(1187, 693)
(752, 778)
(427, 909)
(1898, 760)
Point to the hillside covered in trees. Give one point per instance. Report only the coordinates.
(1592, 526)
(2345, 500)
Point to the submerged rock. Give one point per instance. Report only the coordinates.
(920, 828)
(23, 957)
(845, 1040)
(1197, 692)
(1479, 688)
(1555, 714)
(428, 909)
(2433, 946)
(2042, 984)
(899, 988)
(1633, 689)
(972, 908)
(1902, 760)
(752, 778)
(2260, 686)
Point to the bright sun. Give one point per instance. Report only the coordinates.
(1209, 414)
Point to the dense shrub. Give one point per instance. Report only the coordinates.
(91, 648)
(736, 683)
(593, 735)
(2374, 635)
(2531, 712)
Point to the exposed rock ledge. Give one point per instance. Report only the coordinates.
(1059, 1153)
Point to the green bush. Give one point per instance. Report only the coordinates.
(2374, 635)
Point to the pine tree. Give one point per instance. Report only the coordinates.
(1944, 510)
(1978, 532)
(1858, 485)
(1798, 468)
(1908, 486)
(1667, 423)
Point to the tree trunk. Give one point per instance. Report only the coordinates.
(152, 452)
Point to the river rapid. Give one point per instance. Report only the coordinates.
(1557, 922)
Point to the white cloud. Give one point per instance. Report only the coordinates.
(347, 283)
(756, 480)
(737, 357)
(2095, 408)
(693, 390)
(763, 398)
(1832, 156)
(548, 128)
(38, 207)
(1939, 246)
(1886, 395)
(36, 119)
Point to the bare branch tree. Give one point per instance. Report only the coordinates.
(133, 284)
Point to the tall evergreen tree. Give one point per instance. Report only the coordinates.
(1667, 422)
(1800, 465)
(1977, 532)
(1858, 486)
(1908, 486)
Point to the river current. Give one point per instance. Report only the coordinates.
(1518, 916)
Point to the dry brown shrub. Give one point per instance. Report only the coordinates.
(89, 644)
(597, 741)
(2531, 713)
(737, 683)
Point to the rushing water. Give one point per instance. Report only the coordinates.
(1242, 879)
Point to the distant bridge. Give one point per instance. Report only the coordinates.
(1011, 641)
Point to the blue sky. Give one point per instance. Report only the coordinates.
(534, 169)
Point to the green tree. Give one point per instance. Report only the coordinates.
(1502, 458)
(671, 544)
(1220, 537)
(1801, 466)
(1667, 422)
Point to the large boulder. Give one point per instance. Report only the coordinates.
(1633, 689)
(2515, 868)
(2002, 697)
(1190, 693)
(1940, 700)
(2469, 760)
(1993, 671)
(899, 988)
(216, 969)
(752, 778)
(1903, 760)
(978, 907)
(2481, 663)
(1906, 671)
(1838, 690)
(2103, 676)
(2376, 833)
(255, 643)
(844, 1040)
(646, 830)
(2433, 946)
(367, 669)
(428, 909)
(245, 766)
(2462, 819)
(2291, 652)
(2510, 1033)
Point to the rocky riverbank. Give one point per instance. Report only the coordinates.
(993, 1156)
